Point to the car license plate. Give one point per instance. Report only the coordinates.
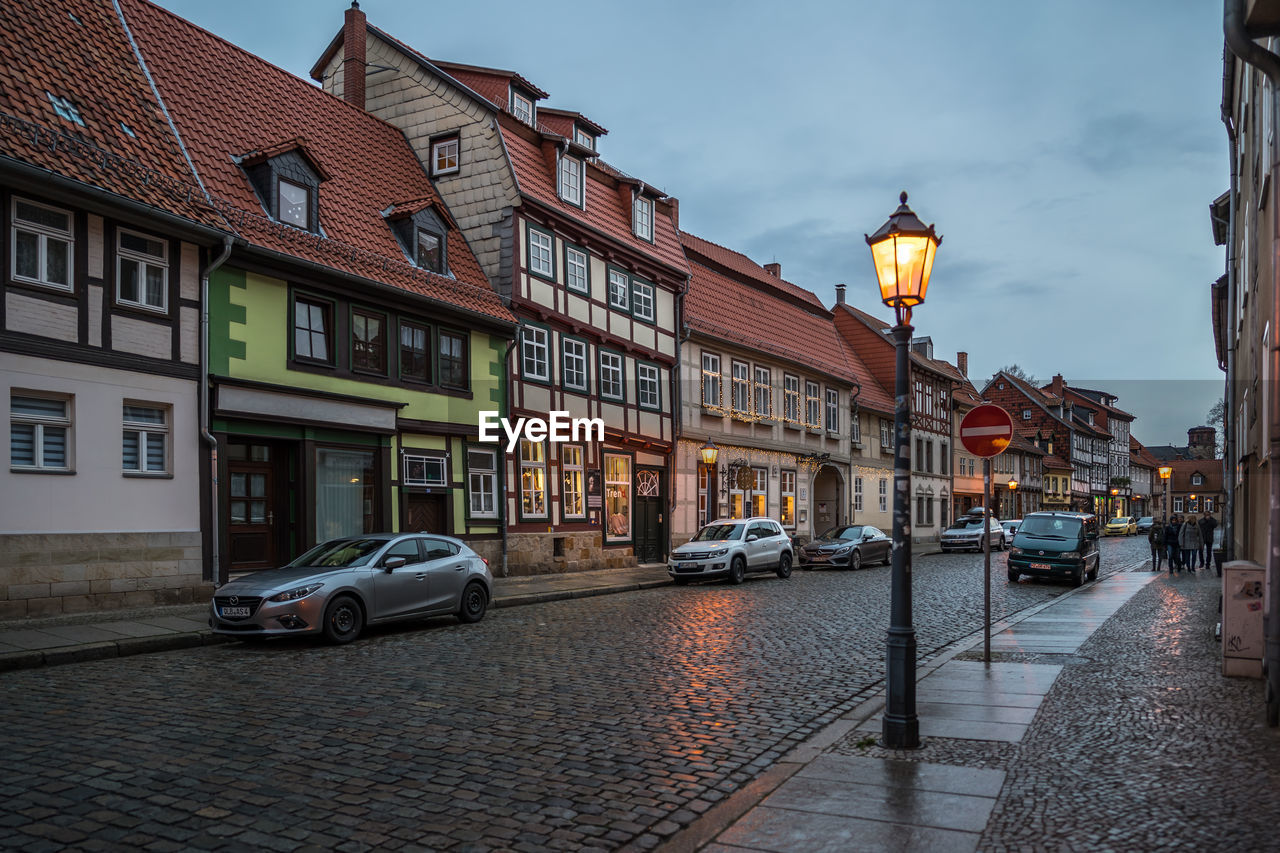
(817, 558)
(234, 612)
(1041, 566)
(686, 565)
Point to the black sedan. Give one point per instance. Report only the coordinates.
(847, 546)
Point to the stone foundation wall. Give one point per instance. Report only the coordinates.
(45, 574)
(535, 554)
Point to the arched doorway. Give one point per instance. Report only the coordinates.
(828, 501)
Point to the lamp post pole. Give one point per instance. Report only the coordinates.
(903, 249)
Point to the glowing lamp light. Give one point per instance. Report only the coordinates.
(903, 250)
(1013, 484)
(1115, 492)
(1166, 472)
(709, 453)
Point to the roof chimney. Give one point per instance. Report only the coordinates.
(1056, 388)
(839, 294)
(675, 211)
(774, 270)
(962, 362)
(353, 59)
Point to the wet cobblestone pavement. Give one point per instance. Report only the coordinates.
(1141, 745)
(586, 725)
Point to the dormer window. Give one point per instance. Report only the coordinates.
(444, 155)
(569, 181)
(293, 204)
(583, 138)
(430, 254)
(1197, 480)
(522, 107)
(642, 218)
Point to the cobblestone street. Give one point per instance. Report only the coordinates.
(582, 724)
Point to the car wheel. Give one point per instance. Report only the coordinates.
(737, 570)
(1093, 575)
(784, 566)
(1013, 576)
(343, 620)
(1077, 579)
(1002, 544)
(855, 560)
(474, 603)
(888, 557)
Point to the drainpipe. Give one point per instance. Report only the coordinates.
(1229, 450)
(215, 555)
(677, 413)
(1240, 40)
(502, 453)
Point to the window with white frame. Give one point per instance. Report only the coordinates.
(611, 375)
(642, 300)
(533, 479)
(791, 398)
(648, 389)
(812, 405)
(293, 204)
(573, 363)
(576, 276)
(1177, 504)
(762, 391)
(760, 491)
(521, 107)
(541, 260)
(1208, 504)
(711, 379)
(573, 503)
(1197, 480)
(617, 497)
(482, 483)
(39, 432)
(583, 138)
(142, 270)
(146, 439)
(857, 494)
(619, 290)
(1026, 414)
(41, 244)
(704, 494)
(534, 353)
(886, 434)
(833, 410)
(855, 427)
(420, 470)
(642, 218)
(884, 494)
(741, 388)
(569, 186)
(787, 486)
(444, 156)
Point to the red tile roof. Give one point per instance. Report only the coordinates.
(76, 49)
(712, 289)
(232, 103)
(739, 264)
(604, 209)
(562, 122)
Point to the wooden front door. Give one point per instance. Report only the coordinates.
(251, 517)
(650, 531)
(427, 513)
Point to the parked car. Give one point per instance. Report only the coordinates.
(340, 586)
(1056, 545)
(730, 548)
(847, 546)
(1144, 524)
(1010, 528)
(966, 534)
(1121, 525)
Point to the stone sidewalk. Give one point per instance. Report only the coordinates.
(89, 636)
(1102, 723)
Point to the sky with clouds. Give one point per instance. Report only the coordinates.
(1067, 152)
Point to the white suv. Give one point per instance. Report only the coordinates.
(730, 548)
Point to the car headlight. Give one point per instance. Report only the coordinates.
(1014, 551)
(1070, 555)
(296, 593)
(844, 549)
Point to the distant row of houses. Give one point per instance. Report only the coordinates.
(243, 313)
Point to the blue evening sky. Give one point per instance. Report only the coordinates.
(1067, 152)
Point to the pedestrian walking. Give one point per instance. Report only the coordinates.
(1207, 525)
(1190, 542)
(1172, 551)
(1155, 538)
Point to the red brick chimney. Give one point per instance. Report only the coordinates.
(774, 270)
(1057, 385)
(962, 362)
(353, 59)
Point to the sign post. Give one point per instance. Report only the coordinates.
(986, 431)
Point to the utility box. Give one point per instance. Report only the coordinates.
(1243, 585)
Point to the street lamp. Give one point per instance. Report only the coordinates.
(1013, 498)
(1166, 471)
(903, 250)
(1114, 492)
(709, 453)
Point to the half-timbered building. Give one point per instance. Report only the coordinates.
(589, 261)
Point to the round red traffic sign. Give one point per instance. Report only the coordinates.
(986, 430)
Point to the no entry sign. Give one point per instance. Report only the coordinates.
(986, 431)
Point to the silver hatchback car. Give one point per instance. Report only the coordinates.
(339, 586)
(731, 548)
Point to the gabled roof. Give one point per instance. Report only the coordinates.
(562, 122)
(1055, 463)
(231, 102)
(1138, 454)
(1096, 399)
(1032, 394)
(1210, 469)
(738, 264)
(870, 336)
(730, 307)
(77, 49)
(1026, 446)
